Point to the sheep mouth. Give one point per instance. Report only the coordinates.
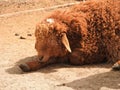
(40, 58)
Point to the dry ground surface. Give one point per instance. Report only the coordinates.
(14, 51)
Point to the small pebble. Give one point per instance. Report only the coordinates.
(21, 37)
(29, 34)
(18, 6)
(16, 34)
(62, 84)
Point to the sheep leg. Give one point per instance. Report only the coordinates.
(31, 66)
(35, 65)
(76, 58)
(116, 66)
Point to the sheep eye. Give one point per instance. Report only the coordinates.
(54, 30)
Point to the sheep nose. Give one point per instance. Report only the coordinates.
(44, 59)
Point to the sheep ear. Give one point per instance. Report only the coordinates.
(66, 42)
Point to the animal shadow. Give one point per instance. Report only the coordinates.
(48, 69)
(100, 81)
(15, 69)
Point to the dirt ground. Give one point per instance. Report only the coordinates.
(14, 50)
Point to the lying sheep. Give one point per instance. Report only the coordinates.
(83, 34)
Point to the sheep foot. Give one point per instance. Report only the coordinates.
(36, 64)
(31, 66)
(116, 66)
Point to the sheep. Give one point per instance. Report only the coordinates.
(86, 33)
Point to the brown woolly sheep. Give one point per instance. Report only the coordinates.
(83, 34)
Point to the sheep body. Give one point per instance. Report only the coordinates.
(92, 29)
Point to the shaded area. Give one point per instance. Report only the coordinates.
(109, 80)
(50, 68)
(15, 69)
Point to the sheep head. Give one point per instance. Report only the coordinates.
(51, 40)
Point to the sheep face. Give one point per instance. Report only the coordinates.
(50, 42)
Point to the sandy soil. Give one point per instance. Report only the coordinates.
(14, 51)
